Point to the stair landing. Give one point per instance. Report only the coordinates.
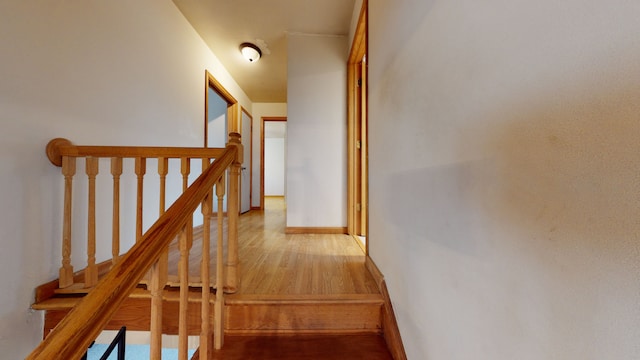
(289, 284)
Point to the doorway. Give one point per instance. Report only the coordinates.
(220, 118)
(246, 131)
(275, 136)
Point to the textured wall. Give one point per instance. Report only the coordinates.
(504, 176)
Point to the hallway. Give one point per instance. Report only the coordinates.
(272, 262)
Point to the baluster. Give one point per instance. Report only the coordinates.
(158, 274)
(91, 272)
(233, 210)
(205, 332)
(156, 289)
(141, 169)
(66, 270)
(116, 172)
(163, 169)
(183, 272)
(186, 169)
(218, 310)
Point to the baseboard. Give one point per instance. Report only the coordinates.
(315, 230)
(390, 328)
(256, 208)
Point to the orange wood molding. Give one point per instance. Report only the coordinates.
(315, 230)
(390, 328)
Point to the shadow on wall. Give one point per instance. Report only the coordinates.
(554, 169)
(574, 167)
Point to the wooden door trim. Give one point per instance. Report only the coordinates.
(358, 51)
(250, 165)
(232, 105)
(262, 120)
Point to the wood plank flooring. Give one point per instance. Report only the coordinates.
(301, 296)
(272, 262)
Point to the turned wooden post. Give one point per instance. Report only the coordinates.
(158, 275)
(205, 310)
(163, 170)
(91, 272)
(185, 169)
(233, 210)
(141, 169)
(116, 172)
(155, 327)
(218, 307)
(66, 271)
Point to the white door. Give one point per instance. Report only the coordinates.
(245, 172)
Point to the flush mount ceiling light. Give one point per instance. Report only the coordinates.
(250, 52)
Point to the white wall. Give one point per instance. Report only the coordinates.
(274, 166)
(316, 132)
(504, 176)
(96, 73)
(260, 110)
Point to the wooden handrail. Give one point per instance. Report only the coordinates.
(76, 331)
(57, 148)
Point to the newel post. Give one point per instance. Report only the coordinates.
(233, 209)
(68, 165)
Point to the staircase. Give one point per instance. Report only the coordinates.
(319, 325)
(291, 294)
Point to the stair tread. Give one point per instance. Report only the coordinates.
(301, 299)
(66, 302)
(289, 347)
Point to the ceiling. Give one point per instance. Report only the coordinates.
(225, 24)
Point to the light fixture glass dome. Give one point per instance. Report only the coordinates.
(250, 52)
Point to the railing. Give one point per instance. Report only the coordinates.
(119, 341)
(85, 321)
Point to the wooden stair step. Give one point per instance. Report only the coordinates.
(303, 314)
(318, 347)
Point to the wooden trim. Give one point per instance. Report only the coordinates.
(360, 244)
(232, 105)
(48, 290)
(262, 121)
(390, 328)
(132, 152)
(315, 230)
(359, 44)
(217, 86)
(356, 180)
(255, 208)
(250, 158)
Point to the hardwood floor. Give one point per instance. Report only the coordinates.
(301, 296)
(275, 263)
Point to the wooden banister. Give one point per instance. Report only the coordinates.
(72, 336)
(58, 148)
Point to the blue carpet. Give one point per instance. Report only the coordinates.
(132, 352)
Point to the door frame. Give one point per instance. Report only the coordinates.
(262, 121)
(232, 105)
(357, 150)
(250, 166)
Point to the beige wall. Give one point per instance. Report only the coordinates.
(125, 72)
(316, 131)
(504, 187)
